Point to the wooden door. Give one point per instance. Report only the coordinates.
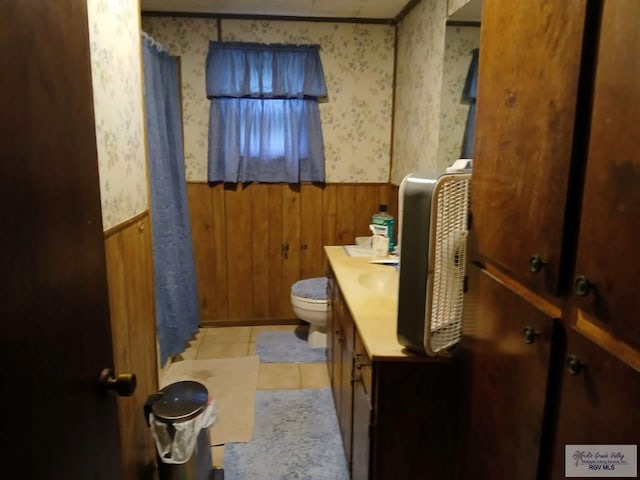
(610, 227)
(510, 344)
(529, 70)
(56, 335)
(599, 401)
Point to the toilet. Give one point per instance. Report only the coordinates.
(309, 301)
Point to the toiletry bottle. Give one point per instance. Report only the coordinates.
(384, 219)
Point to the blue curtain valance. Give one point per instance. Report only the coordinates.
(256, 70)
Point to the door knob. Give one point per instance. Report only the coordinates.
(123, 384)
(536, 263)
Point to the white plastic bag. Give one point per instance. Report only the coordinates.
(176, 442)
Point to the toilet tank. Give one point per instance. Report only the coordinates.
(432, 237)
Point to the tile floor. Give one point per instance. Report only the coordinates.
(225, 342)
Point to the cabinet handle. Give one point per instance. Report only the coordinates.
(582, 285)
(574, 365)
(536, 263)
(529, 335)
(357, 363)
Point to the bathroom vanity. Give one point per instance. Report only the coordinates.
(397, 410)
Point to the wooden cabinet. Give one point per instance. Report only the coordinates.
(607, 259)
(528, 90)
(511, 344)
(598, 402)
(339, 360)
(362, 413)
(398, 416)
(557, 179)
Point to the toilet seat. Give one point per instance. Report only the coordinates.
(311, 288)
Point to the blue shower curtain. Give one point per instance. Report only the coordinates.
(176, 296)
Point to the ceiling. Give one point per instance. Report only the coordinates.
(364, 9)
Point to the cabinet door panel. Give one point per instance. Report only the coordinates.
(610, 225)
(508, 380)
(361, 428)
(599, 405)
(362, 412)
(528, 86)
(333, 347)
(346, 395)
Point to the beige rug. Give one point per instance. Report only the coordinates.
(232, 383)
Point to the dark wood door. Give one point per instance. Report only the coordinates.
(609, 230)
(56, 335)
(598, 401)
(528, 85)
(508, 343)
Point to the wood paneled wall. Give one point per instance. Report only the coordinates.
(253, 241)
(131, 301)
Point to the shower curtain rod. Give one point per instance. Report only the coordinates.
(154, 43)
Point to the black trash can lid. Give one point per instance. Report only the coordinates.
(180, 401)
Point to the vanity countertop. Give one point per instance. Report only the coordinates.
(373, 308)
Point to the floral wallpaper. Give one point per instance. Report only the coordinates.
(455, 5)
(358, 66)
(114, 35)
(459, 43)
(418, 89)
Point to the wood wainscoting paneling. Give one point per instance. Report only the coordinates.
(253, 241)
(129, 259)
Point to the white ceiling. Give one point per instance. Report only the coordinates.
(378, 9)
(370, 9)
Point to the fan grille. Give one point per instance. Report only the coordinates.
(449, 258)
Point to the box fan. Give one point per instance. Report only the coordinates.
(433, 217)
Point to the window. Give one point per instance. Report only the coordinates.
(264, 122)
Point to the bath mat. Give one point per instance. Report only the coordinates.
(288, 347)
(296, 437)
(232, 382)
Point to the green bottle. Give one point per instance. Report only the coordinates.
(383, 219)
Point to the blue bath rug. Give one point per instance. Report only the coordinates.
(295, 436)
(288, 347)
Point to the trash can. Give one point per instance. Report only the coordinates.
(179, 417)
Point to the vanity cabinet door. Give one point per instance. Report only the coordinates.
(507, 344)
(345, 415)
(362, 413)
(340, 333)
(607, 269)
(599, 400)
(333, 336)
(529, 69)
